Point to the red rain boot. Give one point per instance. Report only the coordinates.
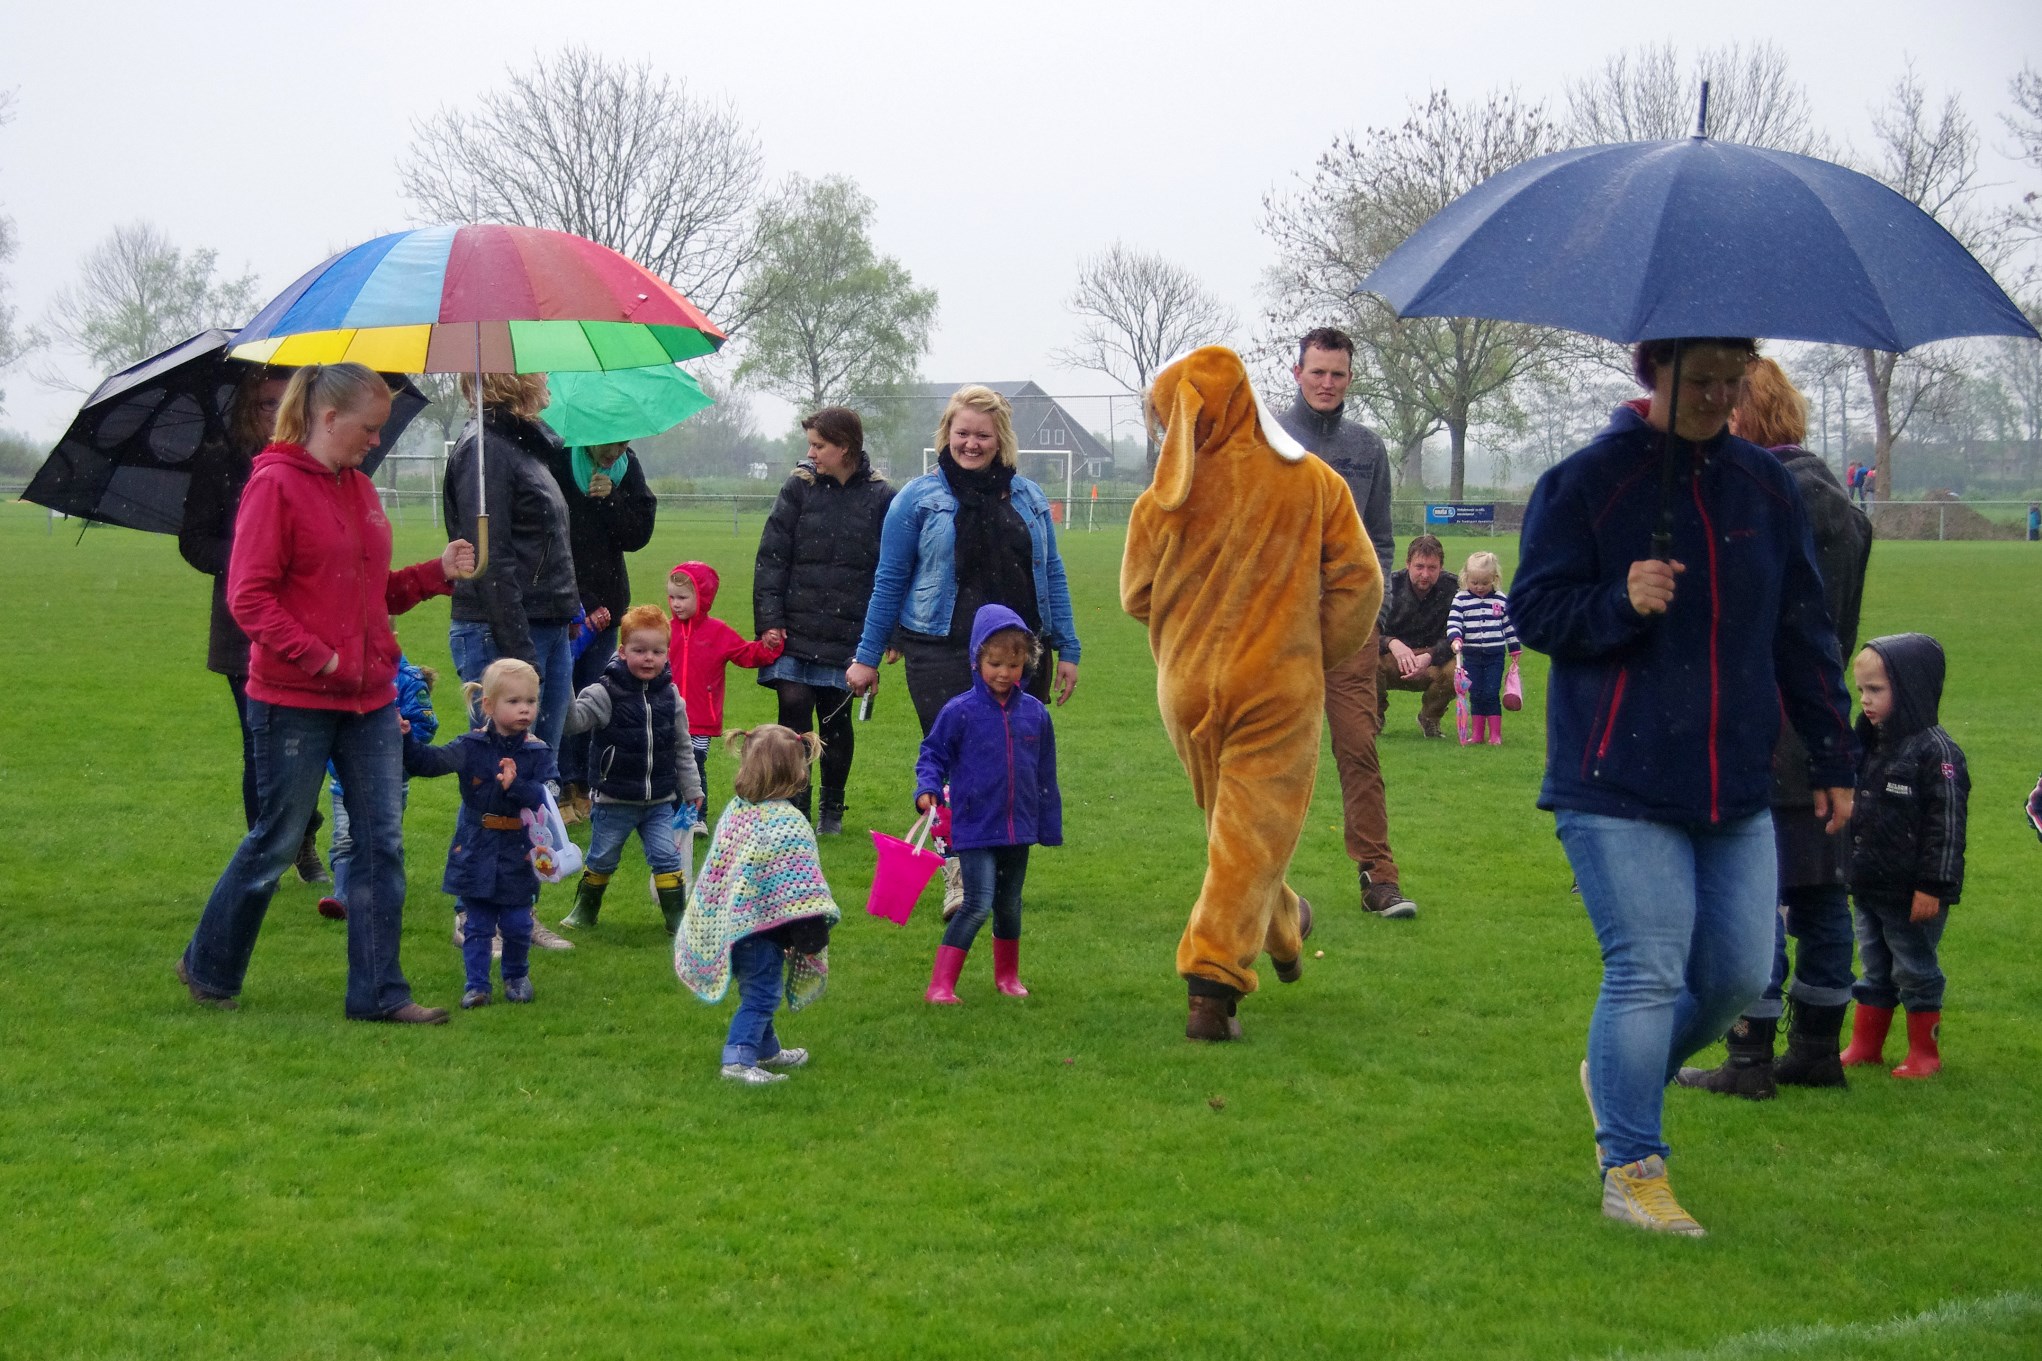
(943, 978)
(1007, 967)
(1923, 1059)
(1868, 1035)
(1496, 730)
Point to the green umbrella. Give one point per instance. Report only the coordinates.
(598, 407)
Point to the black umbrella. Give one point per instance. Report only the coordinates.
(126, 460)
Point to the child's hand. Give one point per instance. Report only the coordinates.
(774, 637)
(599, 618)
(404, 725)
(701, 808)
(506, 771)
(1926, 906)
(924, 802)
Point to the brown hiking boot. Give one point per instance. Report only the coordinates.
(1209, 1020)
(1429, 726)
(1385, 901)
(216, 1000)
(411, 1013)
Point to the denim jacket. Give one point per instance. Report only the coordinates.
(916, 584)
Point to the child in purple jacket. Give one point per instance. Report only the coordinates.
(995, 748)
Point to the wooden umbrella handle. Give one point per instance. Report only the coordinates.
(481, 549)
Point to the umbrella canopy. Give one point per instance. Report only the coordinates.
(126, 458)
(493, 299)
(624, 404)
(1652, 240)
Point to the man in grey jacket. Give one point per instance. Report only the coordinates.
(1317, 420)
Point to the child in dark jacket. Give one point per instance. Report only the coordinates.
(503, 770)
(994, 746)
(640, 765)
(1907, 847)
(699, 649)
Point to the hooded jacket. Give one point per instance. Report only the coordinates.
(1674, 717)
(488, 864)
(998, 757)
(817, 559)
(309, 581)
(530, 575)
(700, 649)
(1908, 821)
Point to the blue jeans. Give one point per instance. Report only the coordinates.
(474, 648)
(573, 751)
(1684, 916)
(344, 841)
(292, 747)
(756, 962)
(1485, 667)
(484, 920)
(993, 876)
(1899, 957)
(1818, 917)
(611, 825)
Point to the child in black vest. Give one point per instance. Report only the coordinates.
(640, 765)
(1907, 848)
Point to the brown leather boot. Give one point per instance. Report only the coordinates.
(1210, 1021)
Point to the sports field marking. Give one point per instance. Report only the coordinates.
(2003, 1308)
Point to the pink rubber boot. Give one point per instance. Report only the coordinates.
(943, 978)
(1496, 730)
(1007, 967)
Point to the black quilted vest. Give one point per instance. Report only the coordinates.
(636, 757)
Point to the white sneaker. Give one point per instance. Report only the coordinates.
(786, 1058)
(544, 939)
(953, 887)
(750, 1074)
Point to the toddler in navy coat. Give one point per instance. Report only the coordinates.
(994, 746)
(503, 771)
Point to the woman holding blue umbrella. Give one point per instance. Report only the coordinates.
(1670, 672)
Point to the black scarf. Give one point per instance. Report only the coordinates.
(987, 524)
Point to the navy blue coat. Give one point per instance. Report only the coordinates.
(484, 864)
(1674, 718)
(999, 759)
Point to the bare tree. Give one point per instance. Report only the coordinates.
(1649, 94)
(2024, 122)
(1929, 156)
(844, 319)
(1365, 196)
(137, 294)
(1141, 311)
(619, 154)
(13, 343)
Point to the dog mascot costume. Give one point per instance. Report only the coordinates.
(1247, 561)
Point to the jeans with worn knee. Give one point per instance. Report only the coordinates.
(514, 920)
(756, 966)
(1898, 956)
(1684, 917)
(993, 876)
(611, 825)
(292, 747)
(573, 752)
(1818, 917)
(474, 647)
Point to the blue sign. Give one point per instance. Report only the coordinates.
(1453, 513)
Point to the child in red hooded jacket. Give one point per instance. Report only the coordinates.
(700, 650)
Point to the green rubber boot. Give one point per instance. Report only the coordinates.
(588, 900)
(673, 900)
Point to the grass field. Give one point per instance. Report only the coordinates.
(1395, 1161)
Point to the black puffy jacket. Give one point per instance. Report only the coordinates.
(817, 558)
(1907, 825)
(602, 529)
(530, 578)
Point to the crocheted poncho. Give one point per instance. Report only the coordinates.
(762, 872)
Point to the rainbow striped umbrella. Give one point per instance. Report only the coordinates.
(492, 299)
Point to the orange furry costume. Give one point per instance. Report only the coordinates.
(1247, 561)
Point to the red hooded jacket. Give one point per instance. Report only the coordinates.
(700, 648)
(309, 581)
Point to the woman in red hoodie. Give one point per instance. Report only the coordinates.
(311, 585)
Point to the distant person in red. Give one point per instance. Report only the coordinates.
(702, 648)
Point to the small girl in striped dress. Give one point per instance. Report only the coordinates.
(1478, 625)
(761, 910)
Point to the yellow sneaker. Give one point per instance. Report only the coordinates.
(1638, 1193)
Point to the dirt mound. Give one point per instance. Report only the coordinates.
(1935, 519)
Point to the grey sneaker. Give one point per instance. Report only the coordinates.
(544, 939)
(786, 1058)
(517, 989)
(477, 997)
(1385, 901)
(953, 887)
(750, 1074)
(460, 929)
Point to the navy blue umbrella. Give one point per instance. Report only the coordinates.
(1654, 240)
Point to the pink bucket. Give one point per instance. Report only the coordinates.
(901, 872)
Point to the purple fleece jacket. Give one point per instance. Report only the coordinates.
(999, 759)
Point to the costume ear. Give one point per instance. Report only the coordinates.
(1179, 457)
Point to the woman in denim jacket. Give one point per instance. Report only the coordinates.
(974, 532)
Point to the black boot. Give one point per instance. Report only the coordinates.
(801, 800)
(588, 900)
(1814, 1038)
(1748, 1072)
(310, 868)
(832, 821)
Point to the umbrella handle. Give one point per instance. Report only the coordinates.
(481, 549)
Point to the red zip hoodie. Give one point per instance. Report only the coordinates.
(309, 581)
(699, 649)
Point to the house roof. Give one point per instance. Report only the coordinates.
(1040, 421)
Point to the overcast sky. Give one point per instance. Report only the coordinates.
(1001, 141)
